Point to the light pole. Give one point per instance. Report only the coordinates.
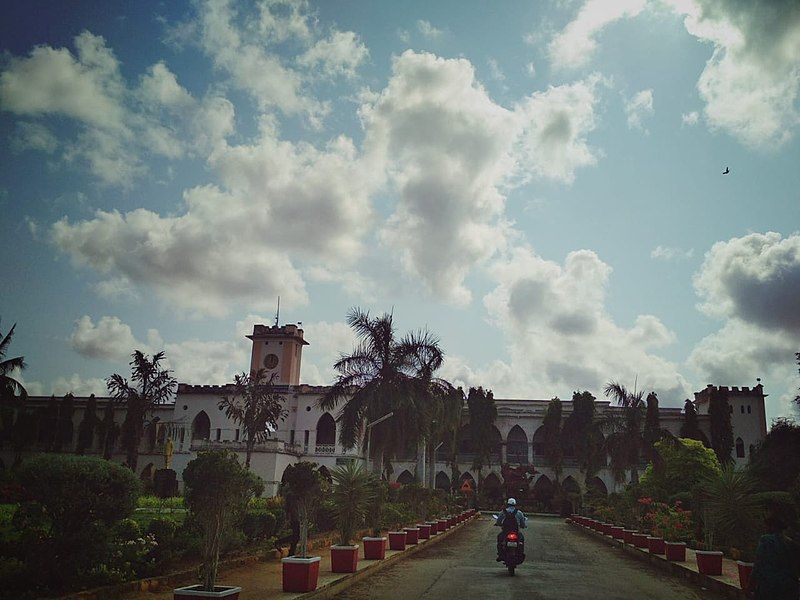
(432, 474)
(369, 435)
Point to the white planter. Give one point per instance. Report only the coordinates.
(220, 591)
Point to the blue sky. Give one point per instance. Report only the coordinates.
(539, 183)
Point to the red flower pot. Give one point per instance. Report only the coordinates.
(434, 527)
(443, 525)
(193, 592)
(745, 570)
(709, 562)
(412, 535)
(628, 535)
(397, 540)
(655, 545)
(344, 559)
(617, 532)
(640, 540)
(424, 531)
(300, 574)
(374, 548)
(675, 551)
(606, 528)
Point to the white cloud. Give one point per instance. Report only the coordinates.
(751, 82)
(33, 136)
(574, 46)
(559, 333)
(530, 69)
(639, 108)
(450, 151)
(328, 341)
(109, 339)
(690, 118)
(671, 253)
(495, 71)
(160, 86)
(428, 31)
(340, 54)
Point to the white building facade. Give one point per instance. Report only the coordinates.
(195, 421)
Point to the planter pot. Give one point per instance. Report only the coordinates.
(443, 525)
(412, 535)
(640, 540)
(397, 540)
(709, 562)
(300, 574)
(617, 532)
(675, 551)
(374, 548)
(424, 531)
(628, 535)
(192, 592)
(745, 569)
(451, 521)
(606, 528)
(344, 559)
(434, 527)
(655, 545)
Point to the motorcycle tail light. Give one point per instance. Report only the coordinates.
(512, 537)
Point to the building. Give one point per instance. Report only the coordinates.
(194, 421)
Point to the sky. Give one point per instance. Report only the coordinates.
(538, 183)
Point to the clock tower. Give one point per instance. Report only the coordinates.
(278, 350)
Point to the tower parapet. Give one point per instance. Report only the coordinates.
(279, 351)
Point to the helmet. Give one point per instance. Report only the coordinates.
(511, 502)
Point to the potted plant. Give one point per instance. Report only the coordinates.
(352, 494)
(375, 545)
(674, 525)
(709, 561)
(302, 489)
(217, 489)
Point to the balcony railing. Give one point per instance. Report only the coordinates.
(327, 449)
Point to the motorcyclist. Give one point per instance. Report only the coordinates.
(509, 519)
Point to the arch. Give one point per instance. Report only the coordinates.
(739, 448)
(571, 499)
(517, 446)
(542, 494)
(326, 430)
(201, 426)
(442, 481)
(570, 486)
(405, 477)
(539, 443)
(492, 481)
(597, 486)
(466, 475)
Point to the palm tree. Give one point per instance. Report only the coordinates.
(255, 406)
(10, 388)
(625, 442)
(152, 385)
(384, 374)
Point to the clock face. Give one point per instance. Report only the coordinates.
(271, 361)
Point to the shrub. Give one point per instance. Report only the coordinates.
(671, 523)
(303, 488)
(325, 517)
(352, 493)
(154, 502)
(66, 522)
(685, 463)
(258, 525)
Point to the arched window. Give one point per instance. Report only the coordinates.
(739, 448)
(517, 446)
(442, 481)
(491, 481)
(571, 486)
(542, 494)
(538, 443)
(405, 477)
(597, 485)
(326, 430)
(201, 426)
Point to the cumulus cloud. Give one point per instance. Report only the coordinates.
(639, 108)
(671, 253)
(574, 46)
(450, 152)
(328, 341)
(750, 84)
(690, 118)
(428, 31)
(339, 54)
(232, 245)
(560, 335)
(33, 136)
(109, 339)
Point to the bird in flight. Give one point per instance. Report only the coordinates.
(726, 171)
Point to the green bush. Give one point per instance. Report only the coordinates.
(258, 525)
(397, 514)
(325, 518)
(154, 502)
(685, 464)
(67, 520)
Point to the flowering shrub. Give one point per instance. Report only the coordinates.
(669, 522)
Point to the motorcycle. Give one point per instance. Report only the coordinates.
(512, 550)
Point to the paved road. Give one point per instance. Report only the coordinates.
(561, 563)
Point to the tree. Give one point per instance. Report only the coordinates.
(63, 433)
(719, 414)
(24, 432)
(626, 442)
(582, 433)
(482, 415)
(775, 462)
(685, 463)
(553, 444)
(11, 390)
(109, 431)
(302, 489)
(731, 508)
(352, 494)
(217, 490)
(382, 375)
(652, 426)
(50, 425)
(151, 386)
(445, 428)
(256, 406)
(690, 428)
(87, 426)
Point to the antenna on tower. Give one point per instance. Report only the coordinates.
(278, 312)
